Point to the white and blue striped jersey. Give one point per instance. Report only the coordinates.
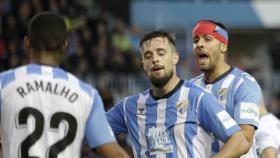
(47, 112)
(179, 125)
(240, 95)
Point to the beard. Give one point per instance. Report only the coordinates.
(160, 82)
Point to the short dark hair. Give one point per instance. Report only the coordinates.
(47, 31)
(158, 33)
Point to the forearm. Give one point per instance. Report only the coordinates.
(269, 153)
(234, 147)
(249, 132)
(111, 150)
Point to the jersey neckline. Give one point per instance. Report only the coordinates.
(179, 84)
(220, 77)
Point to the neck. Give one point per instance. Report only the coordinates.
(219, 70)
(45, 58)
(169, 86)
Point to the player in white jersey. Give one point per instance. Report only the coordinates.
(45, 111)
(267, 136)
(175, 118)
(239, 92)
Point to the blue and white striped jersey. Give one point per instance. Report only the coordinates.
(179, 125)
(46, 112)
(240, 95)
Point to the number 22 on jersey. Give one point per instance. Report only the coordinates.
(35, 136)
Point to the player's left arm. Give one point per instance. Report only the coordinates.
(98, 131)
(247, 100)
(213, 118)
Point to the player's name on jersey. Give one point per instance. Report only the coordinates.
(47, 87)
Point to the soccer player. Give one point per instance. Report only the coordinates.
(46, 111)
(236, 90)
(174, 118)
(267, 136)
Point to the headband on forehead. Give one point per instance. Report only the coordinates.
(209, 28)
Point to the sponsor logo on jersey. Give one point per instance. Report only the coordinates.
(159, 141)
(249, 111)
(226, 120)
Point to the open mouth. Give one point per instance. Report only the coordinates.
(202, 55)
(157, 68)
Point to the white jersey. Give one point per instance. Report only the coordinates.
(46, 112)
(268, 134)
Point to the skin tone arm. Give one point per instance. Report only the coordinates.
(248, 132)
(269, 153)
(111, 150)
(234, 147)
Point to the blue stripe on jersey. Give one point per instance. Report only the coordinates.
(59, 73)
(85, 87)
(131, 119)
(8, 77)
(34, 69)
(151, 108)
(191, 128)
(215, 146)
(170, 121)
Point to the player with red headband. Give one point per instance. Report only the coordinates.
(238, 91)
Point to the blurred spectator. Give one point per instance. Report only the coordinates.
(135, 38)
(275, 55)
(274, 106)
(120, 36)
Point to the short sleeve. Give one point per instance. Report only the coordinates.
(98, 130)
(116, 118)
(247, 99)
(213, 118)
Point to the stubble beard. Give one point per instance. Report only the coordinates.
(160, 82)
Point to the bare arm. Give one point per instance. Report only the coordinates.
(234, 147)
(111, 150)
(249, 132)
(269, 153)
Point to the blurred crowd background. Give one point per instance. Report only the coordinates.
(104, 39)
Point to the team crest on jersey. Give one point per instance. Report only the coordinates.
(223, 94)
(182, 106)
(141, 109)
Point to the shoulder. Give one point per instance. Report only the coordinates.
(196, 88)
(240, 74)
(6, 77)
(133, 100)
(245, 79)
(197, 79)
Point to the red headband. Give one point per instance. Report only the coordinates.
(209, 28)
